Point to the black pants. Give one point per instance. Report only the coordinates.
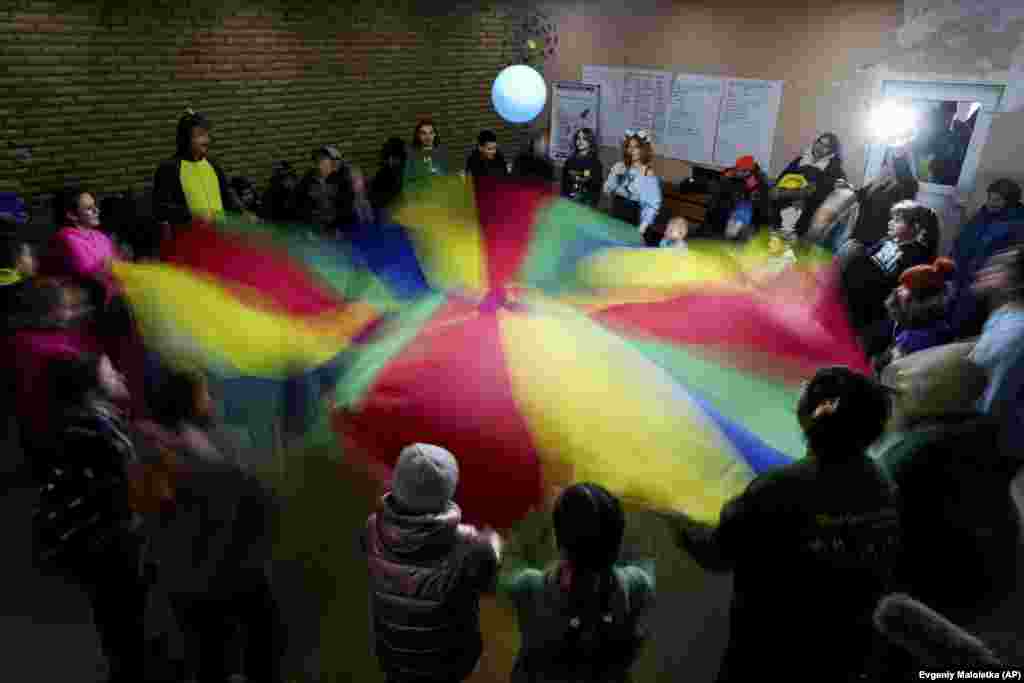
(208, 623)
(118, 590)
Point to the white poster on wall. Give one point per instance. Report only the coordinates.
(645, 97)
(691, 123)
(750, 110)
(574, 105)
(612, 84)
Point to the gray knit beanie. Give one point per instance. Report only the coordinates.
(425, 478)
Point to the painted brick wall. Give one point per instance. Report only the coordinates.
(95, 89)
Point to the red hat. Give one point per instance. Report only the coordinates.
(745, 163)
(927, 279)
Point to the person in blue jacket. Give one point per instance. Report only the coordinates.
(996, 226)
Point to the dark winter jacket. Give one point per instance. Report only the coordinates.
(816, 541)
(479, 167)
(582, 178)
(316, 200)
(980, 239)
(426, 576)
(84, 503)
(385, 187)
(955, 486)
(729, 191)
(824, 182)
(869, 274)
(532, 167)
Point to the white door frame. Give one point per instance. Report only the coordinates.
(991, 94)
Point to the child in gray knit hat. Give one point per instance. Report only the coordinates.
(427, 572)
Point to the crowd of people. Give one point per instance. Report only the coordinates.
(140, 486)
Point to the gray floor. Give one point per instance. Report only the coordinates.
(46, 633)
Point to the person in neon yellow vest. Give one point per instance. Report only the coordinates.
(190, 185)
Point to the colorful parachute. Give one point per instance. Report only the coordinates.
(529, 393)
(238, 309)
(532, 336)
(545, 363)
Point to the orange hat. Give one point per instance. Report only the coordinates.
(746, 163)
(927, 279)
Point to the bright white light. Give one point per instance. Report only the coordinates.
(893, 123)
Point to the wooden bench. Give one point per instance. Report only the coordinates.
(690, 205)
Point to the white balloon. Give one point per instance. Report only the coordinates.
(519, 94)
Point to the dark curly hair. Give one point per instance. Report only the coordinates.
(842, 412)
(589, 526)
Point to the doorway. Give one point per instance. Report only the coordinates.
(952, 125)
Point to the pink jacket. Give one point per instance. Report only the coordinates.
(81, 254)
(30, 352)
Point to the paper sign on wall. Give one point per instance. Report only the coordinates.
(746, 124)
(696, 118)
(691, 124)
(574, 106)
(612, 83)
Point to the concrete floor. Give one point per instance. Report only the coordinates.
(46, 635)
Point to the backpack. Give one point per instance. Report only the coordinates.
(12, 207)
(598, 644)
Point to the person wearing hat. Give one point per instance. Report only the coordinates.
(954, 479)
(317, 195)
(815, 542)
(427, 572)
(190, 185)
(917, 309)
(744, 182)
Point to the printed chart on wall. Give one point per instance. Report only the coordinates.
(696, 118)
(691, 124)
(574, 105)
(631, 99)
(750, 110)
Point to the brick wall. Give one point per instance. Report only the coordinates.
(95, 89)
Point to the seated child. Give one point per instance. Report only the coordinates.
(427, 572)
(917, 309)
(870, 273)
(675, 233)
